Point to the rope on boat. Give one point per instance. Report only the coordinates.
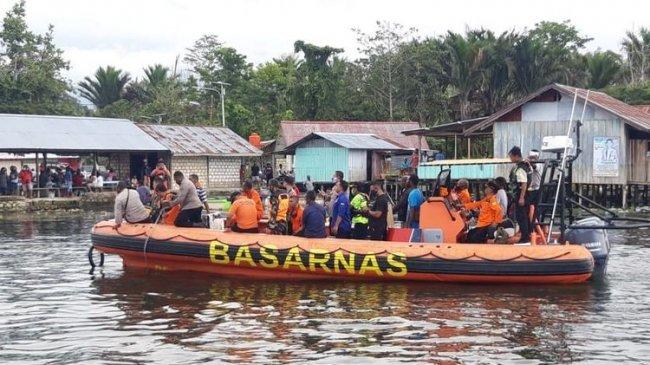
(430, 253)
(92, 260)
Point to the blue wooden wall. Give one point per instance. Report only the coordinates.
(320, 163)
(459, 171)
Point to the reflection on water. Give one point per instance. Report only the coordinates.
(55, 311)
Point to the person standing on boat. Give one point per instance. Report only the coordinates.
(128, 206)
(202, 193)
(535, 177)
(520, 176)
(279, 207)
(415, 200)
(341, 222)
(359, 207)
(313, 218)
(489, 217)
(189, 202)
(161, 172)
(502, 194)
(378, 212)
(402, 202)
(295, 216)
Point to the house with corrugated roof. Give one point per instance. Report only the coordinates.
(614, 135)
(215, 154)
(110, 142)
(292, 131)
(360, 156)
(614, 140)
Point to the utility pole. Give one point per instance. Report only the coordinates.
(223, 97)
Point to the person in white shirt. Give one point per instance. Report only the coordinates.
(128, 206)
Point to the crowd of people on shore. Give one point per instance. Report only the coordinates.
(64, 181)
(362, 211)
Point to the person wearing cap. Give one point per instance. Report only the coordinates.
(520, 177)
(128, 206)
(490, 215)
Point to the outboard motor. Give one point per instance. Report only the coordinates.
(593, 239)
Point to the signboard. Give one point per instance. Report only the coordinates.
(606, 156)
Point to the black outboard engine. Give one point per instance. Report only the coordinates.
(593, 239)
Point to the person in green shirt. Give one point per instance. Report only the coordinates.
(358, 206)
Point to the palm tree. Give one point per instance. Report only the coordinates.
(156, 75)
(106, 88)
(602, 68)
(463, 68)
(532, 67)
(637, 54)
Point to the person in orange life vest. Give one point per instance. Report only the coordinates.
(490, 215)
(251, 193)
(294, 216)
(279, 200)
(462, 190)
(242, 216)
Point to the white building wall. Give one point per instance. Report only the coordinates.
(224, 172)
(541, 111)
(214, 172)
(358, 165)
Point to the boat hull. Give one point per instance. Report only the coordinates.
(283, 257)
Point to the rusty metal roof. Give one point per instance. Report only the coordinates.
(189, 140)
(359, 141)
(632, 115)
(294, 130)
(63, 134)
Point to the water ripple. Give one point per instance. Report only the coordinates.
(53, 311)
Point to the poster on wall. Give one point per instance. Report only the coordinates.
(606, 156)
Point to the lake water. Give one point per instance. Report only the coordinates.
(53, 311)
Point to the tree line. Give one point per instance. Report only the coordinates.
(400, 75)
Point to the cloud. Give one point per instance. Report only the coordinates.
(133, 34)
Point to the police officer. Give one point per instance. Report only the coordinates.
(520, 177)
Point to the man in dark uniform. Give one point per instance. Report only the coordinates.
(520, 177)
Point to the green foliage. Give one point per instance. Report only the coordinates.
(603, 68)
(400, 76)
(106, 87)
(30, 70)
(637, 93)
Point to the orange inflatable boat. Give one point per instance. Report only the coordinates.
(164, 247)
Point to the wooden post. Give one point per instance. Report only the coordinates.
(455, 146)
(469, 147)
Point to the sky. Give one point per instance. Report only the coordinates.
(133, 34)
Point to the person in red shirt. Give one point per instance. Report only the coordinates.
(26, 178)
(161, 172)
